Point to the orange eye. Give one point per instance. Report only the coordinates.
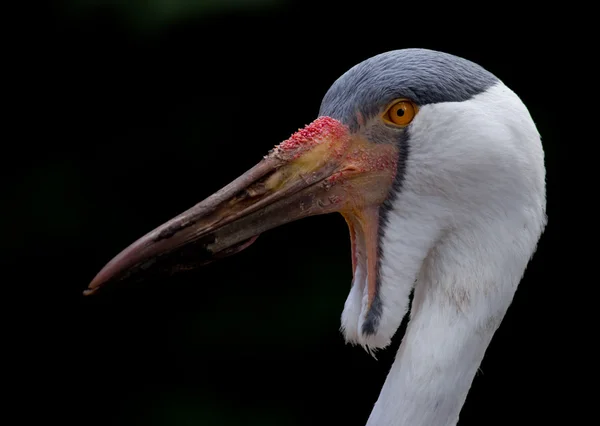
(401, 113)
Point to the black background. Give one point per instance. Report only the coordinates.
(139, 110)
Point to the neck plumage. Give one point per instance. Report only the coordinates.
(452, 321)
(460, 232)
(465, 283)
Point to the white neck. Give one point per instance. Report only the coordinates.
(467, 221)
(452, 321)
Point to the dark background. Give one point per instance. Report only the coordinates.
(141, 109)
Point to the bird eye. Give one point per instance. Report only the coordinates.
(401, 113)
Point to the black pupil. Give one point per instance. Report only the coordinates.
(399, 112)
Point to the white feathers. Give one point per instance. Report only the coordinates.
(465, 225)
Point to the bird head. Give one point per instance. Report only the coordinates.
(412, 147)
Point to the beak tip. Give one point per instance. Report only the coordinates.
(92, 289)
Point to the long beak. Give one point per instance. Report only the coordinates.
(322, 168)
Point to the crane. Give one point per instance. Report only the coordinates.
(438, 169)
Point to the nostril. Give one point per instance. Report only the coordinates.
(350, 169)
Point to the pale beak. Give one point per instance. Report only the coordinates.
(322, 168)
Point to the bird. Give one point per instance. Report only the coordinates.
(438, 169)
